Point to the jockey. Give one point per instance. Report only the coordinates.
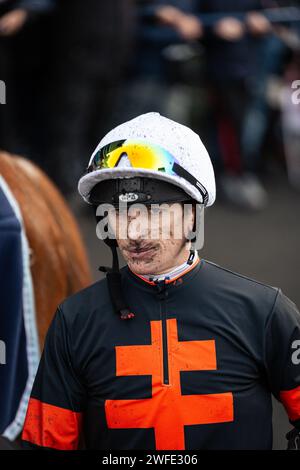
(172, 351)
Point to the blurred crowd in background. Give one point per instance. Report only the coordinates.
(74, 69)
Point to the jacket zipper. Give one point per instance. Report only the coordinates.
(162, 293)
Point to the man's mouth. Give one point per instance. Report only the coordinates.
(141, 252)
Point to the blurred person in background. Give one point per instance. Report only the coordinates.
(243, 50)
(290, 107)
(15, 17)
(150, 84)
(280, 98)
(240, 54)
(88, 47)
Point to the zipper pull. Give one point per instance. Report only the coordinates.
(161, 288)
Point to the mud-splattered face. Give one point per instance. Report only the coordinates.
(152, 239)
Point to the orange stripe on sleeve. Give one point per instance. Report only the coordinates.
(51, 426)
(291, 401)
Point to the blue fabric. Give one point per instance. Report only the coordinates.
(13, 374)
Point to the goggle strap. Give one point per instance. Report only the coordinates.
(180, 171)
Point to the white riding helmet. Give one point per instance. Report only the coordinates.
(188, 163)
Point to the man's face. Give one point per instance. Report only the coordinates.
(152, 238)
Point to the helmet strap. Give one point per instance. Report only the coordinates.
(114, 281)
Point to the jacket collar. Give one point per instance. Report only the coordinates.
(173, 274)
(179, 280)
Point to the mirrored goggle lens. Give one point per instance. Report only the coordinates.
(140, 155)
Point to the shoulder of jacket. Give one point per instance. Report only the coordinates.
(243, 280)
(258, 296)
(85, 300)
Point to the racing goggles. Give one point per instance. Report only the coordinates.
(143, 155)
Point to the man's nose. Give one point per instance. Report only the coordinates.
(137, 229)
(137, 224)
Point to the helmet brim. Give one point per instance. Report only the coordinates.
(88, 181)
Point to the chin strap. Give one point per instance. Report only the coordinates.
(191, 256)
(113, 277)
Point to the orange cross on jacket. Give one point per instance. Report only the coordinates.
(167, 411)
